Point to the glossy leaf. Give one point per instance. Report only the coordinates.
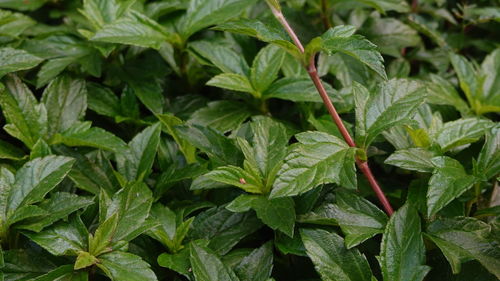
(125, 266)
(222, 116)
(265, 67)
(416, 159)
(488, 161)
(12, 60)
(461, 131)
(232, 81)
(257, 266)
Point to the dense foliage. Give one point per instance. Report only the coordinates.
(184, 140)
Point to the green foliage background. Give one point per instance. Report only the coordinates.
(184, 140)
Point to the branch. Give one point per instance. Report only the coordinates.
(313, 73)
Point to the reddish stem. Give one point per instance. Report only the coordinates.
(313, 73)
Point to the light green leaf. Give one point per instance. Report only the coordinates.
(331, 259)
(297, 89)
(67, 100)
(402, 253)
(100, 12)
(441, 91)
(221, 56)
(462, 239)
(21, 6)
(178, 262)
(35, 179)
(265, 32)
(12, 60)
(237, 176)
(204, 13)
(258, 265)
(136, 162)
(222, 115)
(317, 159)
(125, 266)
(358, 218)
(84, 135)
(266, 66)
(415, 159)
(134, 29)
(488, 161)
(231, 81)
(490, 68)
(207, 266)
(387, 5)
(26, 119)
(64, 238)
(449, 180)
(394, 103)
(340, 39)
(40, 149)
(462, 131)
(84, 260)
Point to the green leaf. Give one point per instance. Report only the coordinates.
(26, 119)
(207, 266)
(66, 101)
(358, 218)
(236, 176)
(231, 81)
(265, 32)
(168, 232)
(134, 29)
(441, 91)
(340, 39)
(296, 89)
(222, 115)
(266, 66)
(331, 259)
(201, 14)
(387, 5)
(12, 60)
(317, 159)
(81, 134)
(488, 161)
(221, 56)
(63, 238)
(258, 265)
(178, 262)
(211, 142)
(278, 214)
(462, 131)
(63, 273)
(462, 239)
(449, 180)
(84, 260)
(35, 179)
(102, 100)
(10, 152)
(170, 121)
(14, 24)
(491, 82)
(394, 103)
(40, 149)
(402, 253)
(415, 159)
(100, 12)
(136, 162)
(125, 266)
(59, 206)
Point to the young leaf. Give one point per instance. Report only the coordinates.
(12, 60)
(415, 159)
(341, 39)
(331, 259)
(318, 158)
(461, 131)
(461, 239)
(136, 162)
(66, 100)
(207, 266)
(402, 253)
(257, 266)
(394, 102)
(449, 180)
(236, 176)
(35, 179)
(265, 67)
(125, 266)
(358, 218)
(178, 262)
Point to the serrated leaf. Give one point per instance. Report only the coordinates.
(35, 179)
(136, 162)
(237, 176)
(340, 39)
(26, 119)
(317, 159)
(402, 253)
(206, 265)
(63, 238)
(331, 259)
(265, 67)
(222, 115)
(66, 101)
(221, 56)
(441, 91)
(296, 89)
(12, 60)
(358, 218)
(14, 24)
(231, 81)
(461, 131)
(415, 159)
(125, 266)
(488, 161)
(462, 239)
(449, 180)
(394, 102)
(257, 266)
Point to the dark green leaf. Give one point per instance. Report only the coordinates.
(222, 116)
(265, 67)
(81, 134)
(125, 266)
(416, 159)
(207, 266)
(221, 56)
(257, 266)
(12, 60)
(488, 161)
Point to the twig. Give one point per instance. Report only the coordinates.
(313, 73)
